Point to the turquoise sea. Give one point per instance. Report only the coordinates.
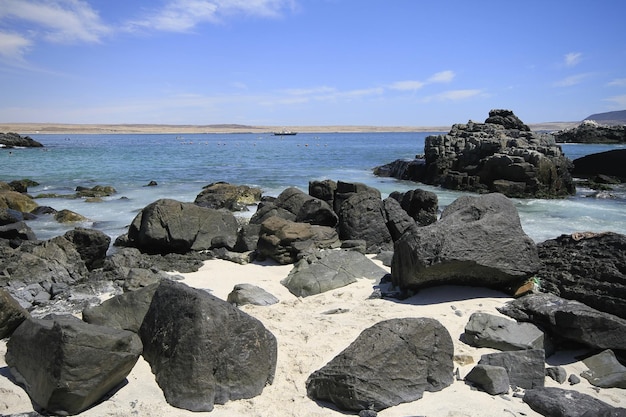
(182, 165)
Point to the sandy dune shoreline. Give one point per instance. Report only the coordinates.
(60, 128)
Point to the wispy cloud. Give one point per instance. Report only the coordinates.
(455, 95)
(618, 82)
(13, 46)
(620, 101)
(413, 85)
(572, 59)
(571, 80)
(185, 15)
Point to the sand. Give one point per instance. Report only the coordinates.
(308, 339)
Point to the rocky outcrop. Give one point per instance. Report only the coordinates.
(609, 163)
(232, 197)
(204, 351)
(591, 132)
(570, 320)
(66, 365)
(488, 330)
(478, 241)
(501, 155)
(357, 379)
(14, 140)
(557, 402)
(327, 270)
(171, 226)
(587, 267)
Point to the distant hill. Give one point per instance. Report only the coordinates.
(609, 118)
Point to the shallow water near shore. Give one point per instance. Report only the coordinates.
(182, 165)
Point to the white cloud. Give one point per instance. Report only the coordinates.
(66, 21)
(13, 46)
(442, 77)
(572, 59)
(407, 85)
(620, 101)
(618, 82)
(571, 80)
(455, 95)
(184, 15)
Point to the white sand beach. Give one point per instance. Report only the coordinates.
(308, 339)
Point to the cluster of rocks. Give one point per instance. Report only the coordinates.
(501, 155)
(591, 132)
(15, 140)
(205, 351)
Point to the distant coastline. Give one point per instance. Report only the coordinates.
(60, 128)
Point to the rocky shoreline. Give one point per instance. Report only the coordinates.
(325, 234)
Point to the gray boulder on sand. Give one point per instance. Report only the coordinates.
(204, 351)
(478, 241)
(526, 368)
(12, 314)
(391, 362)
(605, 371)
(66, 365)
(569, 319)
(330, 269)
(492, 379)
(167, 225)
(243, 294)
(558, 402)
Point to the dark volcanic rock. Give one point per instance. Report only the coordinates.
(171, 226)
(421, 205)
(605, 371)
(392, 362)
(11, 314)
(493, 379)
(587, 267)
(604, 163)
(327, 270)
(591, 132)
(526, 368)
(478, 241)
(91, 244)
(232, 197)
(362, 217)
(569, 319)
(67, 365)
(306, 208)
(18, 231)
(13, 140)
(204, 351)
(507, 119)
(557, 402)
(488, 330)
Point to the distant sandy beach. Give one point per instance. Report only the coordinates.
(59, 128)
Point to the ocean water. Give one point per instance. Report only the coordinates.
(182, 165)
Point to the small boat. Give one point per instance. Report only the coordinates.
(285, 133)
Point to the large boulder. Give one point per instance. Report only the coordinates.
(172, 226)
(67, 365)
(569, 319)
(398, 220)
(604, 163)
(478, 241)
(500, 155)
(586, 267)
(232, 197)
(11, 314)
(362, 217)
(243, 294)
(488, 330)
(605, 371)
(287, 241)
(392, 362)
(204, 351)
(327, 270)
(306, 208)
(421, 205)
(492, 379)
(525, 368)
(91, 244)
(17, 201)
(324, 190)
(558, 402)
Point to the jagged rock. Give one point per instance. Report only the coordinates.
(171, 226)
(12, 314)
(417, 356)
(125, 311)
(587, 267)
(91, 244)
(243, 294)
(488, 330)
(403, 169)
(204, 351)
(398, 220)
(478, 241)
(609, 163)
(591, 132)
(286, 241)
(67, 365)
(605, 371)
(557, 402)
(18, 231)
(362, 217)
(327, 270)
(492, 379)
(498, 157)
(525, 368)
(569, 319)
(16, 201)
(232, 197)
(421, 205)
(12, 140)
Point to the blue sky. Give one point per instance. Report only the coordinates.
(309, 62)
